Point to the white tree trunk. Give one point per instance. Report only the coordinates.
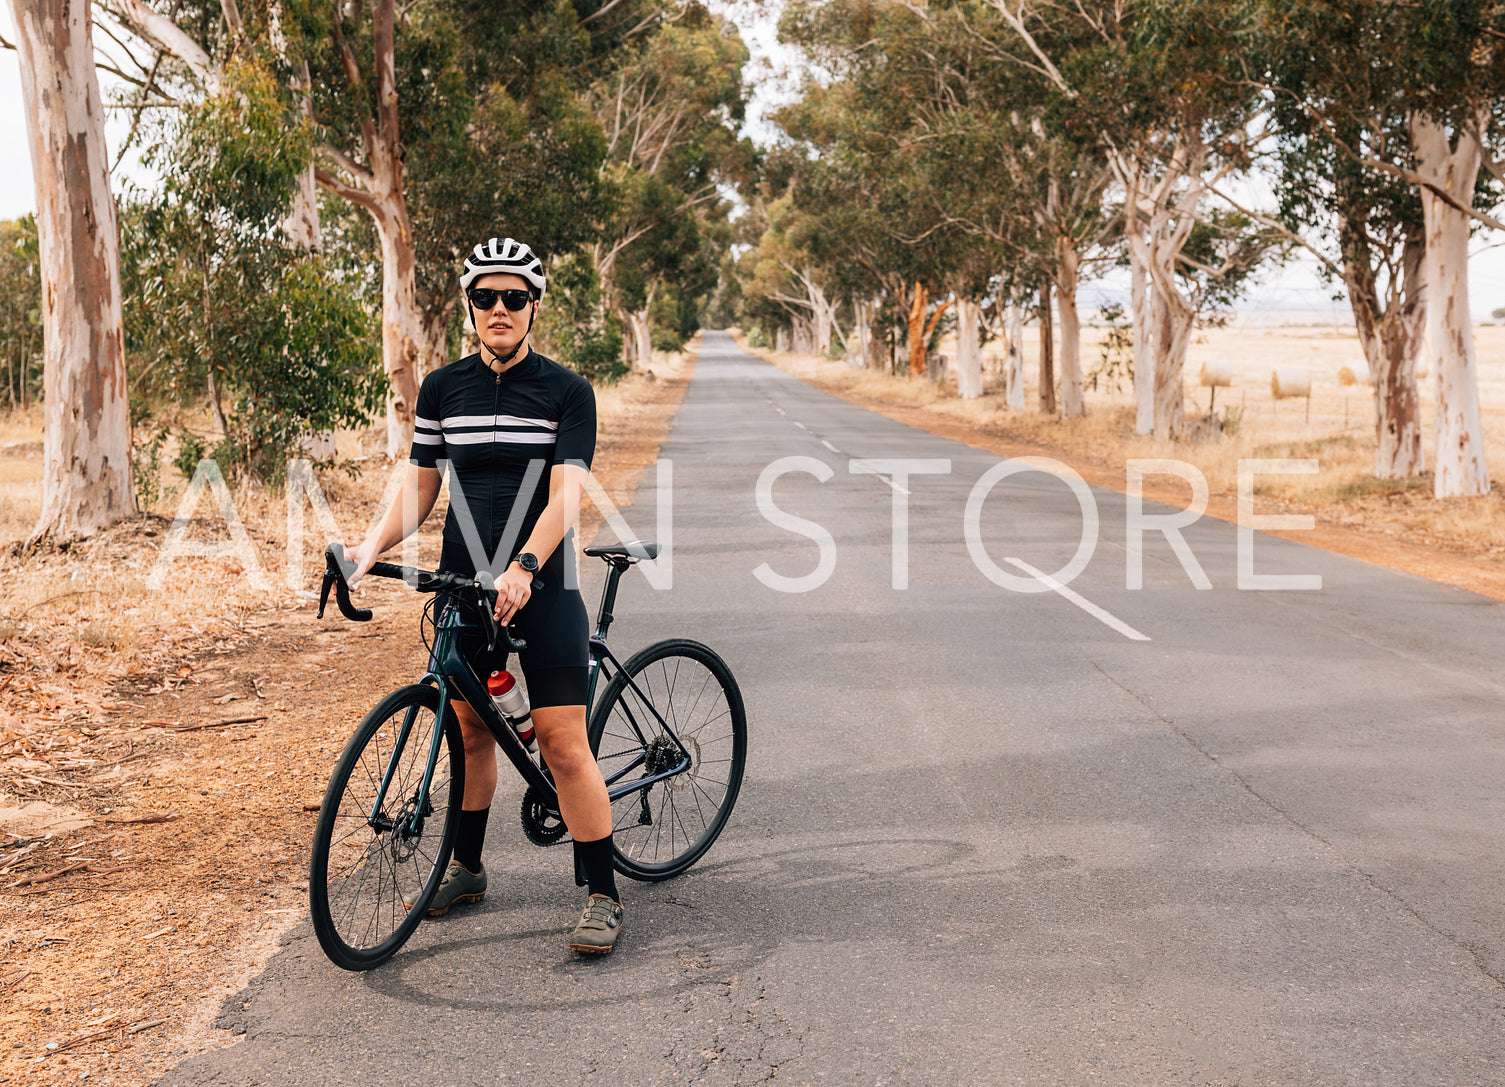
(302, 223)
(1073, 404)
(642, 338)
(1459, 468)
(86, 471)
(1392, 333)
(1013, 339)
(968, 349)
(1142, 318)
(822, 314)
(861, 333)
(401, 328)
(1173, 320)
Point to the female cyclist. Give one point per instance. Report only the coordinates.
(516, 432)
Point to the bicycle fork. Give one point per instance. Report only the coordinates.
(408, 822)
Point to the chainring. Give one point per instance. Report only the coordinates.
(541, 824)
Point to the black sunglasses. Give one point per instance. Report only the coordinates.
(483, 298)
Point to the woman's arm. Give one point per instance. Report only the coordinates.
(515, 585)
(415, 499)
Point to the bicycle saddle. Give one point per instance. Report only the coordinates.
(632, 550)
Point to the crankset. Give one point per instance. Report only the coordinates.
(541, 823)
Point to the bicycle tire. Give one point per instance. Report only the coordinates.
(660, 831)
(360, 923)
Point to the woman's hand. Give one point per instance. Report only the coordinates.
(364, 558)
(513, 589)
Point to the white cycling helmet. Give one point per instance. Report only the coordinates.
(507, 256)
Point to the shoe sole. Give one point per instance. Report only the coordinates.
(460, 900)
(587, 949)
(592, 949)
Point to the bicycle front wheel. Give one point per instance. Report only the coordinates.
(679, 726)
(377, 851)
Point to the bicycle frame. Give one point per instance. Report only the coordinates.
(450, 673)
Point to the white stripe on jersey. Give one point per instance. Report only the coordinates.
(427, 424)
(455, 421)
(427, 439)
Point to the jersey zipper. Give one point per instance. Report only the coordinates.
(496, 404)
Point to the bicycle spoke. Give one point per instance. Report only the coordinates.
(359, 914)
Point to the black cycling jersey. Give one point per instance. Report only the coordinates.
(500, 434)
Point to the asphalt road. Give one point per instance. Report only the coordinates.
(985, 836)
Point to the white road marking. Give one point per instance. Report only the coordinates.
(780, 410)
(799, 424)
(1080, 601)
(829, 446)
(896, 486)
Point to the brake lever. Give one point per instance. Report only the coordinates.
(497, 630)
(335, 566)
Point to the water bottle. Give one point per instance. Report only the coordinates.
(513, 706)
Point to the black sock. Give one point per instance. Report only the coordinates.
(469, 836)
(595, 858)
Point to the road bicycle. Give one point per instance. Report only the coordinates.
(669, 732)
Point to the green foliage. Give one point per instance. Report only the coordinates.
(670, 112)
(572, 326)
(20, 313)
(220, 307)
(191, 450)
(1115, 365)
(148, 438)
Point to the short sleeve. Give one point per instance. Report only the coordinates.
(576, 438)
(428, 435)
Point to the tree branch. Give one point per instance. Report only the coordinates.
(166, 34)
(362, 177)
(356, 196)
(1277, 225)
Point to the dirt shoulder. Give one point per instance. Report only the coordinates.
(162, 757)
(1392, 523)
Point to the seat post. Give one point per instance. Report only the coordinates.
(609, 595)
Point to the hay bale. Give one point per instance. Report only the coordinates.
(1217, 374)
(1355, 375)
(1290, 381)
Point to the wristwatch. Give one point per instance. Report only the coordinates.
(528, 562)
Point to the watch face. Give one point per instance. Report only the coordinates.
(528, 562)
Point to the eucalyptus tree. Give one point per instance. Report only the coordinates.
(670, 105)
(86, 472)
(223, 302)
(1336, 107)
(1401, 104)
(1162, 87)
(866, 117)
(1451, 68)
(442, 122)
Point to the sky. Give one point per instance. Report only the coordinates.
(774, 69)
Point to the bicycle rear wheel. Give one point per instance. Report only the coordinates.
(700, 744)
(364, 864)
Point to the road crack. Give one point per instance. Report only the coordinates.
(1286, 816)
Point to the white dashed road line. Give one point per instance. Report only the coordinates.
(1080, 601)
(829, 446)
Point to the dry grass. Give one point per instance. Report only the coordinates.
(1336, 429)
